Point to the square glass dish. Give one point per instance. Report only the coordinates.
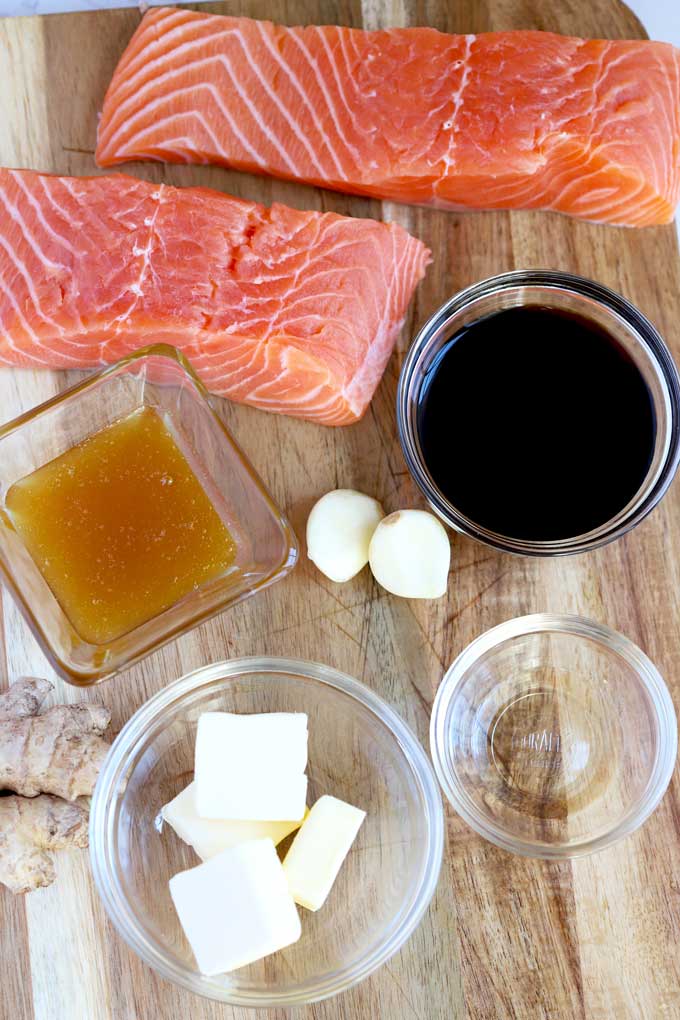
(159, 378)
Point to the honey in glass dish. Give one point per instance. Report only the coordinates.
(120, 527)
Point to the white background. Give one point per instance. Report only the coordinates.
(661, 18)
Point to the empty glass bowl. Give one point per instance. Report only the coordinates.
(553, 736)
(359, 750)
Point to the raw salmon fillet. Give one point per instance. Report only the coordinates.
(295, 312)
(505, 120)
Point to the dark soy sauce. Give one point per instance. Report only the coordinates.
(536, 424)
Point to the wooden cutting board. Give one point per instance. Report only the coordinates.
(505, 937)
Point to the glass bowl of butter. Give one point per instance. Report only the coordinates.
(359, 753)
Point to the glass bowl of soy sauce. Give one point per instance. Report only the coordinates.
(539, 412)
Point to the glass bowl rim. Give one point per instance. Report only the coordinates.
(99, 373)
(113, 773)
(579, 628)
(652, 491)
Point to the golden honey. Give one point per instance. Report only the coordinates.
(120, 527)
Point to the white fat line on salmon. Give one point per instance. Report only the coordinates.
(314, 64)
(26, 233)
(130, 84)
(449, 157)
(167, 98)
(35, 206)
(187, 154)
(140, 63)
(294, 80)
(26, 276)
(323, 36)
(25, 325)
(145, 252)
(16, 216)
(292, 123)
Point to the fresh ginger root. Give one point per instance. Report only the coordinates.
(24, 697)
(58, 752)
(29, 829)
(50, 759)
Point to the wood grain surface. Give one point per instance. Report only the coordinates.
(505, 938)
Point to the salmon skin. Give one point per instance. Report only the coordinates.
(504, 120)
(294, 312)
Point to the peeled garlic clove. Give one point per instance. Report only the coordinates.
(410, 555)
(339, 529)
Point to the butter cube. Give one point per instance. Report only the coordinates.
(236, 907)
(317, 852)
(251, 767)
(209, 836)
(244, 798)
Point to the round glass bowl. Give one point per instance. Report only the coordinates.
(553, 736)
(359, 751)
(570, 294)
